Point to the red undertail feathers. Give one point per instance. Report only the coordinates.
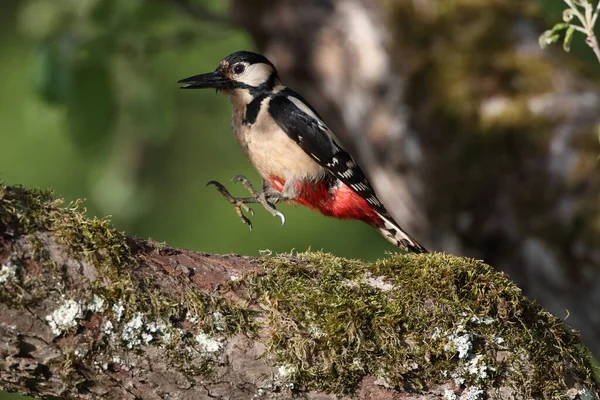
(341, 202)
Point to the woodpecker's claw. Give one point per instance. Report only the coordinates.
(270, 207)
(247, 184)
(282, 217)
(260, 197)
(244, 219)
(238, 204)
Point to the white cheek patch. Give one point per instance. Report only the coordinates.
(255, 74)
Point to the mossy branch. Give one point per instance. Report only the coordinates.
(87, 312)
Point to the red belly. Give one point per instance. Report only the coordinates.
(339, 202)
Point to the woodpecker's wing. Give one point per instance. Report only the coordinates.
(304, 126)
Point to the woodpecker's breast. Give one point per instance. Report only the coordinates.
(269, 148)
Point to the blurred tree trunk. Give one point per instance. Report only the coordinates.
(479, 143)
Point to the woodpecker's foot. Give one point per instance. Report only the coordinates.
(247, 184)
(239, 204)
(266, 199)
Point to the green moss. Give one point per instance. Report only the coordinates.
(397, 318)
(330, 320)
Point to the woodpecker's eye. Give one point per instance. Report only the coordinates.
(238, 69)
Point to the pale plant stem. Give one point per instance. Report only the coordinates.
(588, 13)
(580, 29)
(588, 21)
(595, 16)
(592, 41)
(576, 12)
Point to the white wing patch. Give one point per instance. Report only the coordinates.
(360, 186)
(373, 201)
(347, 173)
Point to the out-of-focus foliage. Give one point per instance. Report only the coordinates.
(579, 16)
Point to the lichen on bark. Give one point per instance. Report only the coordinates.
(88, 312)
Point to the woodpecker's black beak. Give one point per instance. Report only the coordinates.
(211, 80)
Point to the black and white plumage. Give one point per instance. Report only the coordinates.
(293, 149)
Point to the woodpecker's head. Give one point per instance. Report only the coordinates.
(238, 74)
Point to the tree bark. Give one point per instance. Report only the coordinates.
(89, 313)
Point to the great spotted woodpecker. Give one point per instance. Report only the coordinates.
(293, 150)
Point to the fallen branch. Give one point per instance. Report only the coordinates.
(86, 312)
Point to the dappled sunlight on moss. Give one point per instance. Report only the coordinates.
(414, 320)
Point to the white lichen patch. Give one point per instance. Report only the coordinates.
(471, 367)
(472, 393)
(8, 273)
(96, 304)
(146, 337)
(218, 321)
(207, 344)
(378, 282)
(132, 331)
(136, 331)
(478, 368)
(155, 327)
(459, 380)
(460, 343)
(285, 371)
(585, 394)
(65, 317)
(498, 340)
(482, 320)
(107, 327)
(316, 332)
(166, 335)
(192, 318)
(118, 309)
(450, 395)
